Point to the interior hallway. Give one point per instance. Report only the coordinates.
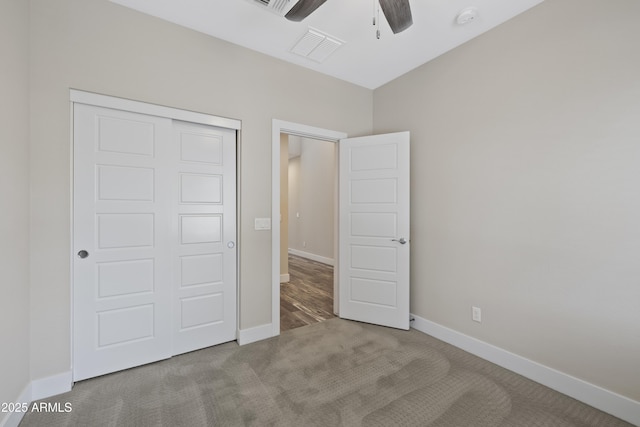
(308, 296)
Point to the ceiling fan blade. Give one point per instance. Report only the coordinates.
(302, 9)
(398, 14)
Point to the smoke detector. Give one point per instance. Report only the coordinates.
(467, 15)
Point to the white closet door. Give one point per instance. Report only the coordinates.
(154, 238)
(122, 310)
(204, 223)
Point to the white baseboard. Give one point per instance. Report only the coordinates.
(284, 278)
(36, 390)
(312, 257)
(598, 397)
(257, 333)
(50, 386)
(12, 419)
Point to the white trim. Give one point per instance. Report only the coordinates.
(12, 419)
(238, 228)
(90, 98)
(257, 333)
(312, 257)
(51, 386)
(284, 278)
(71, 230)
(290, 128)
(36, 390)
(598, 397)
(305, 131)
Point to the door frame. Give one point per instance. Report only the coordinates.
(90, 98)
(305, 131)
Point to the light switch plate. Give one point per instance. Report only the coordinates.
(263, 224)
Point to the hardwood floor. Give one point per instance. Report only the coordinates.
(308, 296)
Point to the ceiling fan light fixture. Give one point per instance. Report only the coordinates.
(302, 9)
(398, 14)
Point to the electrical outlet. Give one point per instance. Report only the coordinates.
(476, 314)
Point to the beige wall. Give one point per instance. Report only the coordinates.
(526, 187)
(14, 193)
(294, 202)
(284, 203)
(98, 46)
(312, 195)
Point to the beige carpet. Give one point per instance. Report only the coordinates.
(334, 373)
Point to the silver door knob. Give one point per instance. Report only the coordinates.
(401, 240)
(231, 245)
(83, 254)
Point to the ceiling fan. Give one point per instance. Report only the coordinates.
(397, 12)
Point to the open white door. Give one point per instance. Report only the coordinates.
(373, 270)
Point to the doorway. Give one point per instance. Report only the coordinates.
(307, 199)
(372, 215)
(280, 127)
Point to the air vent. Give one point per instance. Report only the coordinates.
(316, 45)
(281, 7)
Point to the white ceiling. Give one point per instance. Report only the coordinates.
(363, 59)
